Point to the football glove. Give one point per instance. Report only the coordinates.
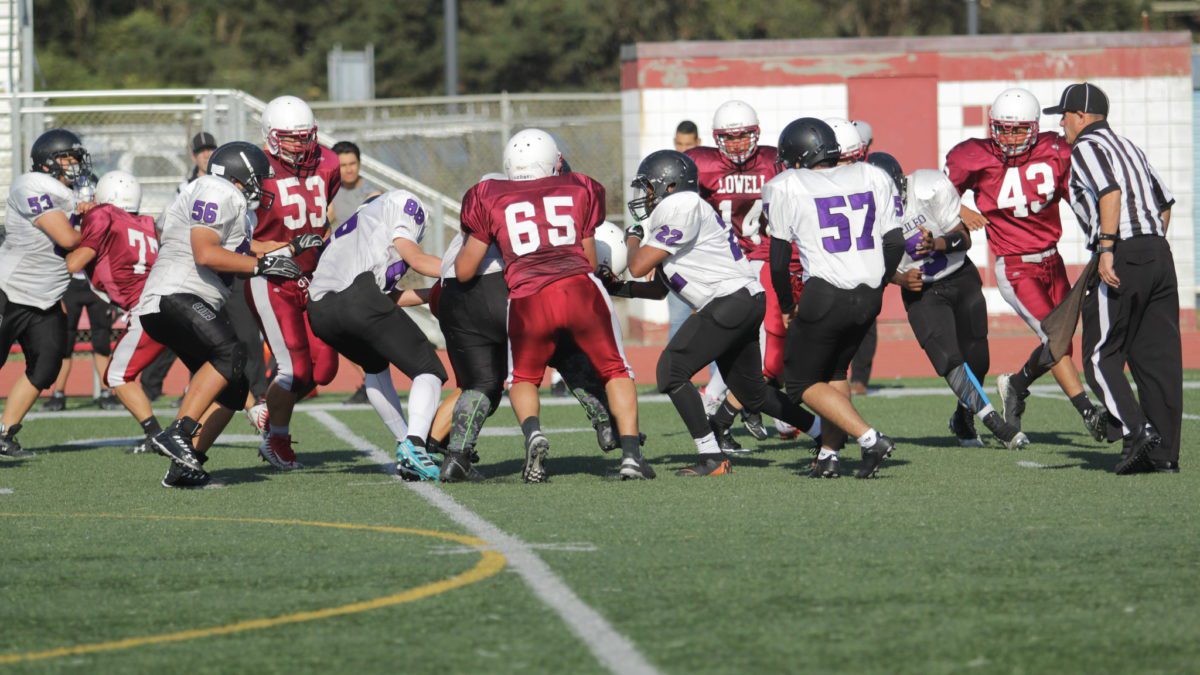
(277, 266)
(635, 230)
(304, 243)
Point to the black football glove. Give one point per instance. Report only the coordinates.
(608, 279)
(304, 243)
(277, 266)
(635, 230)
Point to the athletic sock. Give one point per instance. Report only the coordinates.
(815, 429)
(279, 430)
(423, 399)
(529, 425)
(381, 394)
(868, 439)
(150, 426)
(1082, 403)
(1030, 372)
(631, 445)
(707, 445)
(825, 453)
(725, 414)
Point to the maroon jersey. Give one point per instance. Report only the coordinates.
(1018, 196)
(539, 225)
(301, 204)
(735, 192)
(126, 247)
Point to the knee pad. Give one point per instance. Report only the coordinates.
(229, 360)
(233, 396)
(102, 341)
(42, 370)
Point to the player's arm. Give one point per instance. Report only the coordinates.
(954, 241)
(58, 227)
(261, 248)
(642, 259)
(781, 262)
(80, 258)
(466, 265)
(422, 262)
(207, 251)
(963, 180)
(973, 219)
(414, 297)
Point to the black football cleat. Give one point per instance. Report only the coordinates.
(142, 447)
(181, 477)
(456, 468)
(825, 468)
(725, 439)
(1138, 460)
(635, 467)
(9, 447)
(1096, 421)
(708, 465)
(754, 424)
(109, 401)
(537, 449)
(175, 442)
(962, 425)
(873, 456)
(1011, 400)
(56, 403)
(1011, 437)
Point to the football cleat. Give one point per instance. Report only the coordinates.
(142, 447)
(1138, 458)
(181, 477)
(537, 449)
(708, 465)
(1011, 400)
(9, 447)
(825, 468)
(606, 435)
(711, 404)
(1010, 436)
(456, 468)
(754, 424)
(786, 431)
(873, 456)
(962, 425)
(725, 440)
(414, 463)
(175, 442)
(635, 467)
(257, 416)
(276, 450)
(109, 401)
(56, 403)
(1096, 421)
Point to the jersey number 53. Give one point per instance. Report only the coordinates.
(309, 204)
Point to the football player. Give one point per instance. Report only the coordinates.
(731, 179)
(1018, 176)
(307, 177)
(844, 220)
(943, 296)
(350, 310)
(697, 255)
(33, 273)
(543, 224)
(204, 242)
(117, 251)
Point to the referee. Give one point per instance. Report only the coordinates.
(1132, 316)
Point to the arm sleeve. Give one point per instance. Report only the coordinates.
(474, 223)
(1091, 166)
(781, 259)
(893, 251)
(1162, 194)
(961, 177)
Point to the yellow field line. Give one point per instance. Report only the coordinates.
(490, 563)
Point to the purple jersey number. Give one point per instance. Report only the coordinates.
(393, 274)
(936, 262)
(346, 227)
(40, 204)
(844, 240)
(667, 236)
(204, 212)
(734, 248)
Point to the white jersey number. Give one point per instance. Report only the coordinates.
(750, 224)
(141, 242)
(523, 232)
(1012, 194)
(314, 188)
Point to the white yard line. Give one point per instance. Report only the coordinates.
(612, 649)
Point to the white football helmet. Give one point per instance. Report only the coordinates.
(531, 154)
(850, 144)
(1015, 112)
(291, 133)
(865, 132)
(735, 129)
(610, 248)
(120, 189)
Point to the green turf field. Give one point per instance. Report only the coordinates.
(954, 560)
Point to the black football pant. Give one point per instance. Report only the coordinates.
(949, 319)
(1137, 324)
(200, 334)
(42, 334)
(829, 327)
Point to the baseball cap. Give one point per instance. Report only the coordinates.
(1085, 98)
(203, 141)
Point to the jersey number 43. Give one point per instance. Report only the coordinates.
(1012, 192)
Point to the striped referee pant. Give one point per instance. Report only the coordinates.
(1137, 324)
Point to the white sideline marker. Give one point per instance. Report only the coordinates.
(613, 650)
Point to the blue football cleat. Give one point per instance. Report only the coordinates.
(413, 463)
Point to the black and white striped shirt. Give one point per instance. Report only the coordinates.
(1102, 161)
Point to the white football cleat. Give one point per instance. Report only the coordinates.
(257, 416)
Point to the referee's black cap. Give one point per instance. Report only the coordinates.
(1085, 98)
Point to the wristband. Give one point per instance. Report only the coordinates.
(1105, 249)
(1108, 237)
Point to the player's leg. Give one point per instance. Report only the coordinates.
(72, 303)
(280, 309)
(100, 319)
(587, 388)
(42, 334)
(134, 351)
(531, 338)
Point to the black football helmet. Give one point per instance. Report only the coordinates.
(56, 143)
(806, 143)
(658, 173)
(247, 164)
(892, 166)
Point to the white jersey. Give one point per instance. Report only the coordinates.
(837, 217)
(208, 202)
(31, 271)
(364, 243)
(933, 205)
(705, 262)
(493, 260)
